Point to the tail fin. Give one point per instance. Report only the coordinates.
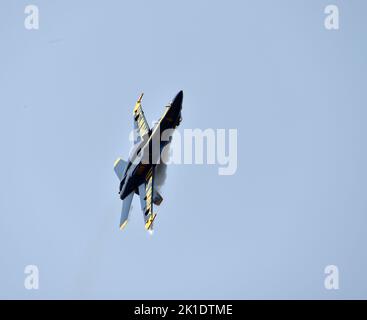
(126, 204)
(119, 167)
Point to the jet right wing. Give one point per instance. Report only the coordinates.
(140, 123)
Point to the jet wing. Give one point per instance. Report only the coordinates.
(146, 199)
(140, 123)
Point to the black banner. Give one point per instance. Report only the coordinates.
(173, 309)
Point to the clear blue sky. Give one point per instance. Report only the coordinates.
(296, 93)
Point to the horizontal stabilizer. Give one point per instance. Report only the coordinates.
(119, 167)
(126, 204)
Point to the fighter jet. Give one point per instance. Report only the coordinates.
(138, 173)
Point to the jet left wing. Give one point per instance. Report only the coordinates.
(140, 123)
(146, 199)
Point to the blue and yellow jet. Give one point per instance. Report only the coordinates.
(137, 174)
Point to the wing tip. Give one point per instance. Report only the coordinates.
(141, 97)
(123, 225)
(149, 223)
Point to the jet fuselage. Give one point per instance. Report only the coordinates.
(147, 153)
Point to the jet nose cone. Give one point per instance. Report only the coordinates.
(177, 101)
